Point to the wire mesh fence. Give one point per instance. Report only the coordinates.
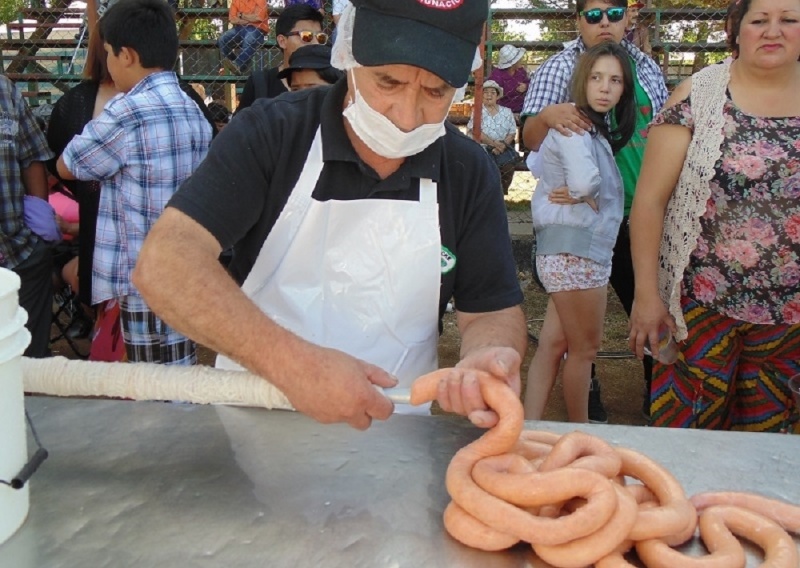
(43, 45)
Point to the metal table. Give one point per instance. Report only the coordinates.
(160, 484)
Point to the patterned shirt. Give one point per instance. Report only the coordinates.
(142, 147)
(550, 83)
(21, 144)
(498, 126)
(747, 261)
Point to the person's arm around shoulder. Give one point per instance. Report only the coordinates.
(562, 117)
(549, 87)
(664, 156)
(325, 384)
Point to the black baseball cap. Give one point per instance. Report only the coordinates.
(439, 36)
(307, 57)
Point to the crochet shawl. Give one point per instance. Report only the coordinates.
(689, 198)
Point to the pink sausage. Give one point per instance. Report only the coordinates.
(589, 549)
(785, 514)
(718, 525)
(535, 489)
(581, 450)
(674, 519)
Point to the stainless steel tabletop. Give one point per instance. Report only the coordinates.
(159, 484)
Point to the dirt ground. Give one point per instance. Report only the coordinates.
(621, 378)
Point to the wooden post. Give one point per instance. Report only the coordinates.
(477, 107)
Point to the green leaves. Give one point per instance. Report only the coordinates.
(9, 10)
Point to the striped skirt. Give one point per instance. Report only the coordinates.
(731, 375)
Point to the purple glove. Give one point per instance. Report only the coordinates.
(40, 217)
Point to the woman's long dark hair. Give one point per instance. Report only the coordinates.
(624, 113)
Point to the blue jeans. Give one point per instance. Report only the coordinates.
(248, 38)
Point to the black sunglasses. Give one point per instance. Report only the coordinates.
(307, 36)
(595, 15)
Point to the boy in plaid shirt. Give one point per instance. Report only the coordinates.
(147, 141)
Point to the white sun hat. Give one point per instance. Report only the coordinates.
(509, 55)
(490, 84)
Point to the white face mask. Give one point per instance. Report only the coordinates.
(382, 136)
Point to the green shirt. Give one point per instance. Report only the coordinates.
(629, 159)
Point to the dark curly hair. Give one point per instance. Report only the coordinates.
(733, 22)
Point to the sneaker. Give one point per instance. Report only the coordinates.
(597, 414)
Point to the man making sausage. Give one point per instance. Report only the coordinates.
(354, 213)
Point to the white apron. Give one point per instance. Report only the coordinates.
(359, 276)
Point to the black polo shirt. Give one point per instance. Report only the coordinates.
(241, 187)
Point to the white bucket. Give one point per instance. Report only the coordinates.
(14, 338)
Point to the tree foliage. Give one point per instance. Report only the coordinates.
(9, 10)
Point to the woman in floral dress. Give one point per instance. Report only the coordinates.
(715, 233)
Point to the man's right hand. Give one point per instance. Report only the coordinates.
(332, 386)
(566, 119)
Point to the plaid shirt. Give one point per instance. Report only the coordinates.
(550, 83)
(21, 144)
(142, 147)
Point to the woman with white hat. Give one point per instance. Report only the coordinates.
(512, 77)
(498, 130)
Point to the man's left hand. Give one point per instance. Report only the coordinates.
(460, 392)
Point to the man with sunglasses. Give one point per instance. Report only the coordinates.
(297, 25)
(249, 23)
(547, 105)
(355, 212)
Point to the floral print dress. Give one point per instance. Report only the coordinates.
(741, 290)
(747, 261)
